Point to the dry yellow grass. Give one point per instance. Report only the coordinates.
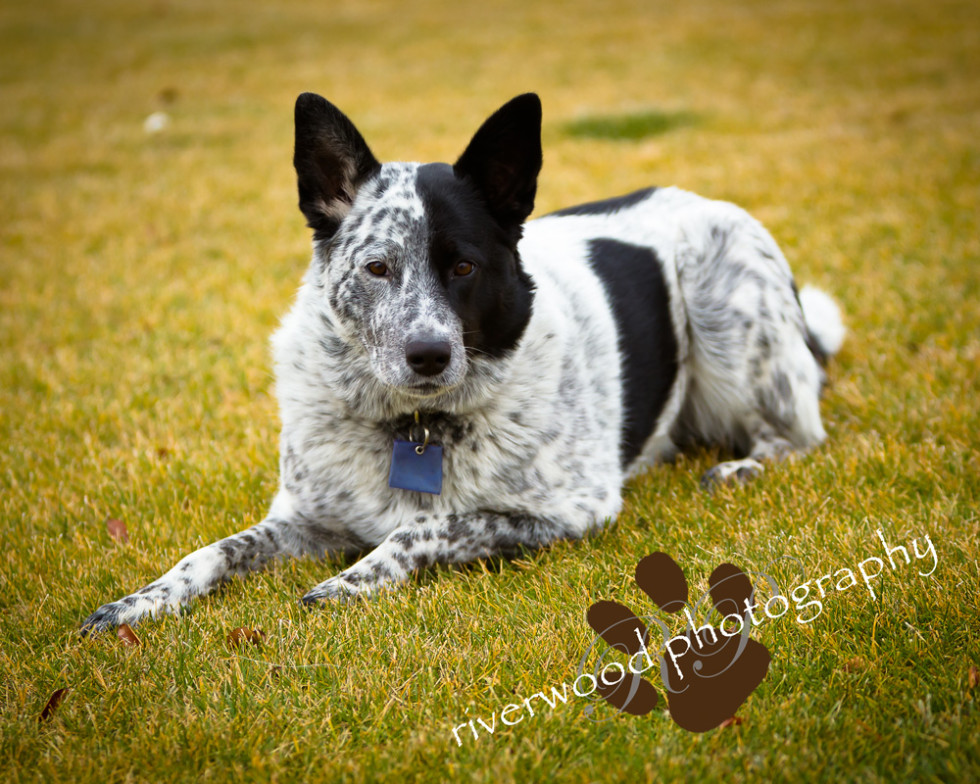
(141, 274)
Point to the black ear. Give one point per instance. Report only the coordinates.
(332, 160)
(504, 158)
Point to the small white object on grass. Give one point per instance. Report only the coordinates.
(156, 122)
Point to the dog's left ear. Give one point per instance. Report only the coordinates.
(504, 158)
(332, 161)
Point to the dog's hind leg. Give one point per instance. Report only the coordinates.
(201, 571)
(779, 417)
(780, 414)
(435, 538)
(754, 378)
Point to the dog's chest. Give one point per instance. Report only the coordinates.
(338, 472)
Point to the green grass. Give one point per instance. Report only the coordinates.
(140, 277)
(632, 126)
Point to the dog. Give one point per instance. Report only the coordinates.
(455, 383)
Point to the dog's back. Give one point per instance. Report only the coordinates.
(713, 345)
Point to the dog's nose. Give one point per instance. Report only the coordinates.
(428, 357)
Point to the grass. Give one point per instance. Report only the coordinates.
(140, 276)
(632, 126)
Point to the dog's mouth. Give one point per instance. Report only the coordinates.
(427, 389)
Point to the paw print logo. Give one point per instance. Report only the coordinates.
(708, 671)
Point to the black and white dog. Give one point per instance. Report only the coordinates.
(455, 384)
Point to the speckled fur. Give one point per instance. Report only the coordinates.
(531, 437)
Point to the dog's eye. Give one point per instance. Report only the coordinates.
(378, 268)
(463, 268)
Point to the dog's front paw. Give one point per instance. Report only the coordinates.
(153, 599)
(732, 472)
(366, 578)
(336, 589)
(108, 616)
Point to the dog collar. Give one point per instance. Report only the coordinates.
(416, 464)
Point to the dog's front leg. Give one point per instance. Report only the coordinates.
(202, 570)
(439, 538)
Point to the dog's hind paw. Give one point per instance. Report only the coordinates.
(731, 472)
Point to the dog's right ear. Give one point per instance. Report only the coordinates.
(332, 161)
(503, 160)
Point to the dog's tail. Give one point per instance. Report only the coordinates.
(823, 322)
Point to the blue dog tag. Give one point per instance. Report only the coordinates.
(413, 471)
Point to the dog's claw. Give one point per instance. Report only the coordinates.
(732, 472)
(103, 619)
(332, 590)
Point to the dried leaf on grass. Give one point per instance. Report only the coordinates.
(734, 721)
(128, 636)
(117, 530)
(52, 705)
(973, 678)
(243, 634)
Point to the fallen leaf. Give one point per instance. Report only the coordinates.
(734, 721)
(128, 636)
(244, 634)
(974, 676)
(52, 706)
(117, 530)
(856, 664)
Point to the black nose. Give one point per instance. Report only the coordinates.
(428, 357)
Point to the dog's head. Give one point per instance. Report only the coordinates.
(418, 264)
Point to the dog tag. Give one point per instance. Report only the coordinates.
(411, 470)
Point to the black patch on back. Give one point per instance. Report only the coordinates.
(607, 206)
(634, 283)
(494, 303)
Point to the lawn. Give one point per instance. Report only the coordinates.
(142, 273)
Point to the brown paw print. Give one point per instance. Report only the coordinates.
(708, 671)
